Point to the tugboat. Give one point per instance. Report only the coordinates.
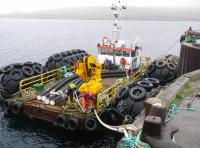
(115, 50)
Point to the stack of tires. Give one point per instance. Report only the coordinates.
(11, 75)
(130, 99)
(164, 68)
(66, 58)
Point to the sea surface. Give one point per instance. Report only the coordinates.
(24, 40)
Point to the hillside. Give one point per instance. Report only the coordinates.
(132, 13)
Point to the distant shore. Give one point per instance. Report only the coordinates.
(104, 13)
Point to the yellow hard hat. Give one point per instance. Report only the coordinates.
(72, 86)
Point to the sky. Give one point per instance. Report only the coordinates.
(7, 6)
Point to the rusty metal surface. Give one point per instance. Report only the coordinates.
(189, 58)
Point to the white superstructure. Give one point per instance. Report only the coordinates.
(115, 48)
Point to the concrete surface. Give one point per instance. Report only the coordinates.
(188, 123)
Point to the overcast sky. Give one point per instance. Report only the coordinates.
(7, 6)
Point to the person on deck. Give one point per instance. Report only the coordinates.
(87, 101)
(123, 63)
(70, 90)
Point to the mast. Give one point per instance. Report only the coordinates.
(117, 7)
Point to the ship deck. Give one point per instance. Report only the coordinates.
(39, 110)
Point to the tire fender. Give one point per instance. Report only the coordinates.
(73, 124)
(122, 93)
(16, 107)
(145, 84)
(90, 124)
(16, 74)
(61, 120)
(137, 93)
(7, 104)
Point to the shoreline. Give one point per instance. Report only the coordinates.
(107, 19)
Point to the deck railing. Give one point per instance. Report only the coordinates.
(42, 78)
(107, 96)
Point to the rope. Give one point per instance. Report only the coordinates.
(173, 108)
(133, 142)
(170, 47)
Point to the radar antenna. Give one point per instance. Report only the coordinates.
(117, 7)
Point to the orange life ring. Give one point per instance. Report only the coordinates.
(105, 40)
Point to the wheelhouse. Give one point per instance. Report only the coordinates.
(115, 54)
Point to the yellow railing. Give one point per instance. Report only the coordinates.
(107, 96)
(42, 78)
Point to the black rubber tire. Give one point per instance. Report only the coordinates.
(90, 124)
(137, 108)
(7, 69)
(122, 93)
(66, 124)
(7, 104)
(65, 62)
(121, 107)
(18, 65)
(105, 117)
(137, 93)
(65, 54)
(61, 120)
(50, 59)
(16, 74)
(154, 81)
(38, 69)
(73, 51)
(73, 124)
(160, 63)
(28, 63)
(171, 66)
(78, 50)
(28, 71)
(114, 119)
(16, 107)
(57, 57)
(129, 104)
(145, 84)
(58, 64)
(151, 68)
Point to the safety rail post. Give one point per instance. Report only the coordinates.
(42, 78)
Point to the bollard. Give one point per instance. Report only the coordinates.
(148, 104)
(154, 131)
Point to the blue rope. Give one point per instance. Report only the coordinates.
(173, 108)
(133, 142)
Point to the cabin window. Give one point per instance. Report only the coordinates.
(126, 53)
(118, 52)
(104, 51)
(110, 52)
(132, 53)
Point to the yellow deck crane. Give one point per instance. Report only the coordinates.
(90, 72)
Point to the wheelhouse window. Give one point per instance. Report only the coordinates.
(103, 51)
(110, 52)
(118, 52)
(132, 53)
(126, 53)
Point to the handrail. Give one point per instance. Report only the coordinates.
(109, 94)
(42, 78)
